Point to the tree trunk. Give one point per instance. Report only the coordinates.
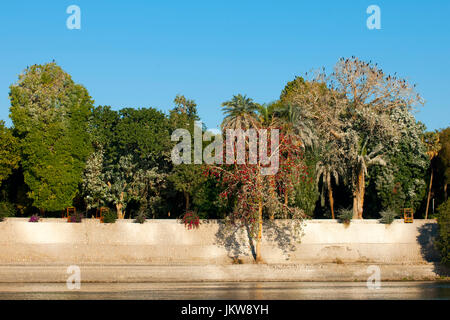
(119, 207)
(186, 196)
(330, 197)
(445, 192)
(429, 194)
(272, 184)
(258, 240)
(358, 196)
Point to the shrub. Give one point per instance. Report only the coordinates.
(109, 216)
(443, 241)
(388, 216)
(141, 217)
(34, 218)
(345, 215)
(76, 217)
(6, 210)
(191, 220)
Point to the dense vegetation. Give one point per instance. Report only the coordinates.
(350, 141)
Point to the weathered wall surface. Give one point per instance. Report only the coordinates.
(167, 242)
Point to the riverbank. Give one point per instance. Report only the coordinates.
(217, 273)
(399, 290)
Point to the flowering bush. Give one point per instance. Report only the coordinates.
(252, 193)
(76, 217)
(34, 218)
(191, 220)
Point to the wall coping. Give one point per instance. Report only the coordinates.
(214, 221)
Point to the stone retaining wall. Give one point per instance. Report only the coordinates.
(167, 242)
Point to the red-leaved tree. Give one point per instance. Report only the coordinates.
(254, 195)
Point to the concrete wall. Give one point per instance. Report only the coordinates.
(164, 242)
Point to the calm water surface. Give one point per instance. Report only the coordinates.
(227, 291)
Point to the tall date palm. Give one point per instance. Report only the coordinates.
(240, 113)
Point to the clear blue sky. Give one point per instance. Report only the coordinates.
(142, 53)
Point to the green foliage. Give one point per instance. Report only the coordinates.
(50, 116)
(306, 190)
(240, 113)
(401, 183)
(9, 152)
(187, 179)
(6, 210)
(345, 215)
(130, 159)
(442, 172)
(102, 129)
(443, 242)
(109, 216)
(144, 133)
(206, 200)
(388, 216)
(291, 88)
(140, 217)
(93, 187)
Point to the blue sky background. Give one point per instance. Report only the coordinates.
(142, 53)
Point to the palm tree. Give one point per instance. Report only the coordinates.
(266, 113)
(431, 141)
(330, 166)
(240, 113)
(295, 124)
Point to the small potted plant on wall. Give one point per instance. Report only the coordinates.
(109, 216)
(388, 216)
(345, 216)
(75, 217)
(34, 218)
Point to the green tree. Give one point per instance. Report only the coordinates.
(431, 141)
(9, 152)
(50, 115)
(144, 133)
(443, 161)
(401, 183)
(186, 179)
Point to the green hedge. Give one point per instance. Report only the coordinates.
(6, 210)
(443, 242)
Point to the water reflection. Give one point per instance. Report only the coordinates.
(228, 291)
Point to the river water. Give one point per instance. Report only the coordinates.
(227, 291)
